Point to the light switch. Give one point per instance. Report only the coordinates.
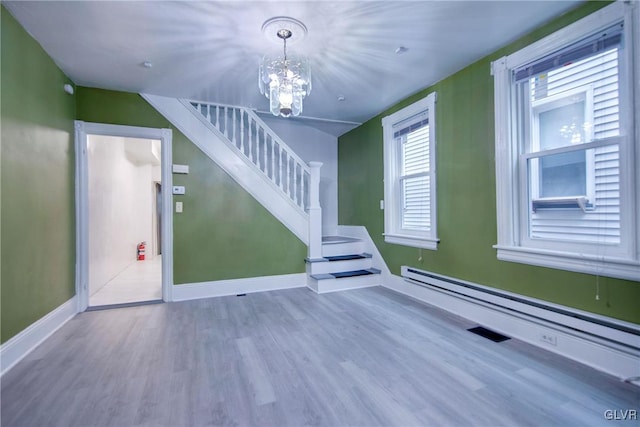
(178, 189)
(178, 207)
(381, 205)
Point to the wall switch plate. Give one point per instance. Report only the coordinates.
(178, 189)
(178, 207)
(381, 205)
(180, 168)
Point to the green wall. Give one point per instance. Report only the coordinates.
(224, 233)
(466, 195)
(37, 211)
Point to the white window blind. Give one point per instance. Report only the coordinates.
(592, 69)
(414, 179)
(566, 147)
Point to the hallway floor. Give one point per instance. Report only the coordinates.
(141, 281)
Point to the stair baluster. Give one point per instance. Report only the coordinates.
(242, 131)
(273, 160)
(263, 149)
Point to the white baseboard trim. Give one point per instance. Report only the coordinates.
(248, 285)
(597, 352)
(18, 347)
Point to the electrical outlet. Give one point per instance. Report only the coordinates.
(549, 339)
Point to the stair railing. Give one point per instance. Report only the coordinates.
(257, 143)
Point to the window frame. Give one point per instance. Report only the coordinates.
(512, 223)
(393, 200)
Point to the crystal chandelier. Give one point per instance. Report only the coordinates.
(285, 80)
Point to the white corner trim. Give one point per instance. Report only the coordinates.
(248, 285)
(618, 360)
(18, 347)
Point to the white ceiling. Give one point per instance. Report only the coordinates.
(210, 50)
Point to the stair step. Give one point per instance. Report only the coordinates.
(339, 258)
(332, 240)
(341, 245)
(351, 273)
(339, 263)
(348, 257)
(345, 274)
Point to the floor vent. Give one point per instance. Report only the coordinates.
(484, 332)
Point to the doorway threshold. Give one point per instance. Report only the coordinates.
(123, 305)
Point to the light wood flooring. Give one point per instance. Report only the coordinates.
(367, 357)
(140, 281)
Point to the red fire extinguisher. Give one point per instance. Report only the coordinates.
(141, 247)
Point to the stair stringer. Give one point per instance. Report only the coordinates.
(216, 146)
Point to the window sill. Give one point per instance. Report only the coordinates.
(590, 264)
(412, 241)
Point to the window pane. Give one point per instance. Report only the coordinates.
(563, 175)
(596, 75)
(560, 209)
(416, 203)
(561, 126)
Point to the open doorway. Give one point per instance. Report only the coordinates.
(123, 212)
(124, 265)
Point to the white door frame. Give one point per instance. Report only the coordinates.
(82, 129)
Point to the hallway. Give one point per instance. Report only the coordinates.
(140, 281)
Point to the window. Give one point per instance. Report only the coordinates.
(410, 175)
(560, 121)
(566, 148)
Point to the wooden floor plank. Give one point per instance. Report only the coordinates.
(367, 357)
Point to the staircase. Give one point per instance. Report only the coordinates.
(344, 265)
(266, 167)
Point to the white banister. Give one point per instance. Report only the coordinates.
(257, 146)
(287, 174)
(315, 212)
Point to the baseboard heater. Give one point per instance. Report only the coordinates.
(608, 329)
